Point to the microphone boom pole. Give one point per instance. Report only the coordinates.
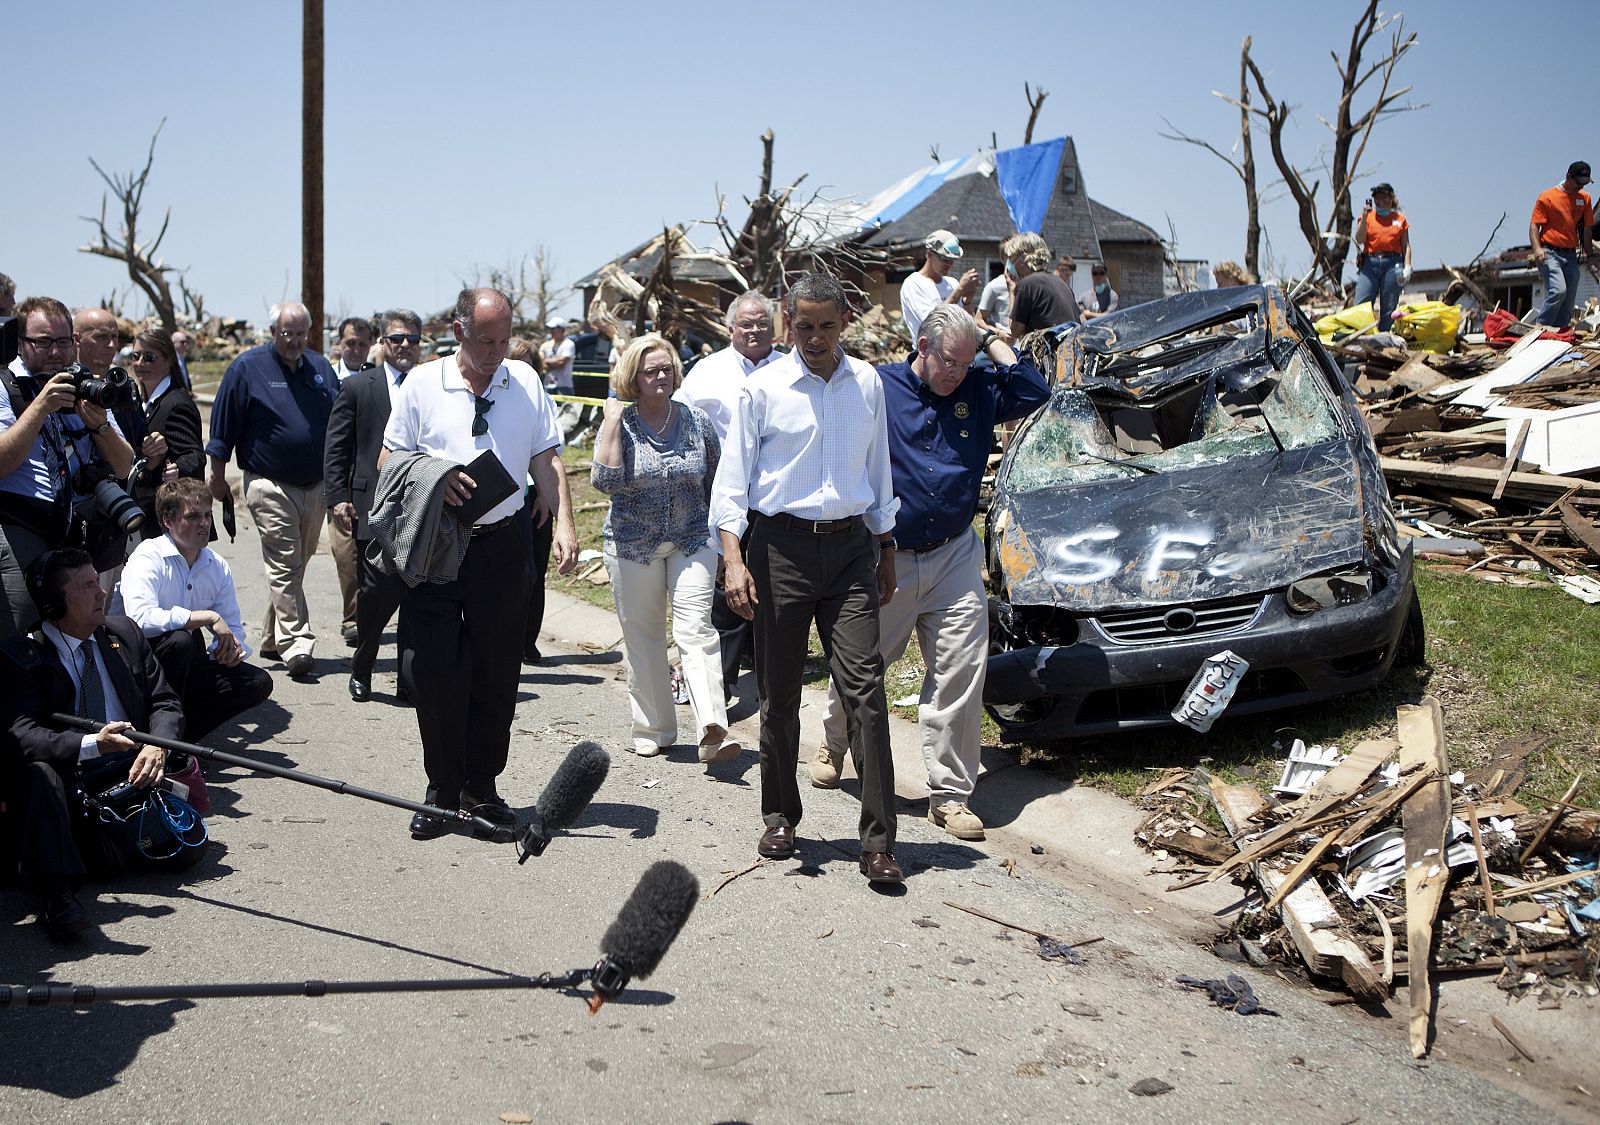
(82, 995)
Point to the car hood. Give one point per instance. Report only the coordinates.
(1242, 526)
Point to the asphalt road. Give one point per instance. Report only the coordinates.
(795, 993)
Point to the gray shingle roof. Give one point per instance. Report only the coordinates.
(1114, 226)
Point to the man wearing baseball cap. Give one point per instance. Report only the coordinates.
(557, 354)
(1563, 216)
(931, 285)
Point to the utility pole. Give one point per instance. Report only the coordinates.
(311, 171)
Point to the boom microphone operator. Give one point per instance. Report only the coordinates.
(567, 794)
(644, 929)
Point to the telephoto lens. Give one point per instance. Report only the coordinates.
(117, 506)
(115, 388)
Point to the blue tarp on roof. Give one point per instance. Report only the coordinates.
(1027, 176)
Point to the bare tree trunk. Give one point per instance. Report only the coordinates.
(1034, 104)
(1247, 169)
(311, 170)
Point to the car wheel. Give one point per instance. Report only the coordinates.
(1413, 650)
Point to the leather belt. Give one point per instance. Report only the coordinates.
(815, 527)
(490, 528)
(934, 546)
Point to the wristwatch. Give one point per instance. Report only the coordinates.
(887, 545)
(985, 338)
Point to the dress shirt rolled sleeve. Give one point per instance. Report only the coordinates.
(160, 590)
(816, 449)
(939, 445)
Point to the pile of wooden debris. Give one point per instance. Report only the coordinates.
(1386, 871)
(1491, 455)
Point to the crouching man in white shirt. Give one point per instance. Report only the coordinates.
(177, 589)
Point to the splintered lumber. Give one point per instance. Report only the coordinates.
(1466, 478)
(1311, 920)
(1332, 789)
(1580, 528)
(1483, 863)
(1514, 449)
(1555, 814)
(1300, 870)
(1425, 819)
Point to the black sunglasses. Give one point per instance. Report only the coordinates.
(398, 338)
(480, 410)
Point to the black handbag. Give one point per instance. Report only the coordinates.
(150, 827)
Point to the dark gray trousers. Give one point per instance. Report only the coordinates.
(802, 577)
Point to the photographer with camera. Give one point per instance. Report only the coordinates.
(86, 664)
(55, 439)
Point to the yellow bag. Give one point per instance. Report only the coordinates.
(1429, 326)
(1336, 326)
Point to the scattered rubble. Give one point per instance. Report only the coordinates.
(1487, 449)
(1389, 854)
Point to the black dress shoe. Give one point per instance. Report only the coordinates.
(64, 916)
(360, 689)
(880, 867)
(777, 842)
(491, 806)
(402, 696)
(532, 655)
(425, 826)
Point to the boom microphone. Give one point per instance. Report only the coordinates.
(644, 928)
(567, 794)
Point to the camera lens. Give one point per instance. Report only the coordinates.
(117, 506)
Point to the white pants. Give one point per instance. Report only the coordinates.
(939, 593)
(643, 593)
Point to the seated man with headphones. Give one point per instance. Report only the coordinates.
(84, 663)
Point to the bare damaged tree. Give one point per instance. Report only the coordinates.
(546, 294)
(146, 270)
(1035, 103)
(1352, 130)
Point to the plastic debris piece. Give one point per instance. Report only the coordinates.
(1233, 993)
(1053, 950)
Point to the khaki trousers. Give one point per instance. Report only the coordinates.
(342, 545)
(939, 594)
(288, 518)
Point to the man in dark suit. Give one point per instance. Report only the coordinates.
(86, 664)
(350, 472)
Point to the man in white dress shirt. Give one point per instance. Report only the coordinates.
(461, 659)
(177, 589)
(806, 470)
(714, 386)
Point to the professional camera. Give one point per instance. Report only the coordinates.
(107, 500)
(114, 388)
(10, 327)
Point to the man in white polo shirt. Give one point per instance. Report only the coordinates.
(931, 285)
(460, 657)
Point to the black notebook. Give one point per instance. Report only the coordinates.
(493, 484)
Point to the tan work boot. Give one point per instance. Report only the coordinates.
(956, 819)
(825, 768)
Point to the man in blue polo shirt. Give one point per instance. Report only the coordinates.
(273, 407)
(942, 415)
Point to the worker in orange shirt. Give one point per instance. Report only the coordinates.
(1562, 217)
(1383, 258)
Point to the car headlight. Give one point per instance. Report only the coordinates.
(1328, 591)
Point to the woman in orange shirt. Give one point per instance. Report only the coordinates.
(1384, 260)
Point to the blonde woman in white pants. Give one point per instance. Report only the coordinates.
(656, 459)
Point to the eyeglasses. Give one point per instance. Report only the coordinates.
(653, 372)
(480, 408)
(145, 357)
(45, 343)
(399, 338)
(282, 335)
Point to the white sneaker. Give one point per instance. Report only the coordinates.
(645, 748)
(956, 819)
(716, 746)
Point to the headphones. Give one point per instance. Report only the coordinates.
(43, 577)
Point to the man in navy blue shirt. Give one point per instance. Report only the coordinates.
(942, 416)
(273, 407)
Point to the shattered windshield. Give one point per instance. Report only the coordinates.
(1084, 436)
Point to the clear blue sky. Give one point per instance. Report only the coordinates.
(470, 133)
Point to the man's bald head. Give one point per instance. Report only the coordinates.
(483, 325)
(95, 331)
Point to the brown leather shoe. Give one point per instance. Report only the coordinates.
(777, 842)
(880, 867)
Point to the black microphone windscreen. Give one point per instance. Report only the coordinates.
(651, 918)
(573, 786)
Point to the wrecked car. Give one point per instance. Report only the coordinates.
(1200, 480)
